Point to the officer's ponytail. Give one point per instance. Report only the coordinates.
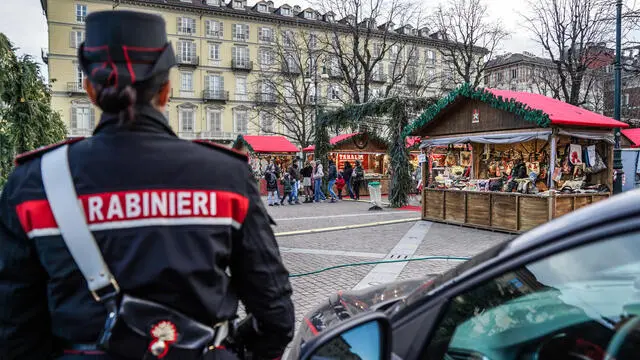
(122, 101)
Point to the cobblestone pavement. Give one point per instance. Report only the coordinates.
(308, 252)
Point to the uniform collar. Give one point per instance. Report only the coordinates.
(148, 119)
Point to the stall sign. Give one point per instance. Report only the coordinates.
(422, 158)
(475, 117)
(342, 158)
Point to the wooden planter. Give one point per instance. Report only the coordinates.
(510, 212)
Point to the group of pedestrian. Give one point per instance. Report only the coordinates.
(309, 179)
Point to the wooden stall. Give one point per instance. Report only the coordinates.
(528, 159)
(370, 152)
(262, 149)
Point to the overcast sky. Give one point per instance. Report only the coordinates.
(18, 15)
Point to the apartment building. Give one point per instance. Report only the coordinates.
(221, 49)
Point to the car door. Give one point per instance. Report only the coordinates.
(569, 303)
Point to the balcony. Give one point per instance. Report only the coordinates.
(190, 135)
(266, 98)
(266, 39)
(241, 64)
(312, 99)
(241, 37)
(218, 135)
(80, 132)
(215, 95)
(292, 70)
(379, 78)
(44, 53)
(75, 88)
(335, 74)
(192, 61)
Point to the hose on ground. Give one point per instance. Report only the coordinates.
(457, 258)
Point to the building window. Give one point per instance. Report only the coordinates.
(213, 28)
(214, 52)
(79, 77)
(214, 120)
(287, 38)
(431, 57)
(625, 100)
(186, 81)
(266, 123)
(187, 52)
(240, 32)
(238, 4)
(241, 88)
(265, 34)
(77, 37)
(289, 92)
(334, 93)
(263, 8)
(266, 57)
(187, 120)
(330, 18)
(82, 118)
(214, 83)
(186, 25)
(240, 56)
(81, 13)
(313, 41)
(514, 73)
(240, 121)
(285, 11)
(309, 15)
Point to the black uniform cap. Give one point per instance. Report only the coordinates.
(124, 47)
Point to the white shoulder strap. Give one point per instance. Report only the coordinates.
(69, 215)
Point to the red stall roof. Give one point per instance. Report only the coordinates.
(270, 144)
(334, 140)
(633, 135)
(560, 112)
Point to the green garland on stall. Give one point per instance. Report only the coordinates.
(241, 141)
(519, 109)
(399, 109)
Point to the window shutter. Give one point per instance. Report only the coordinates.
(192, 49)
(260, 34)
(179, 49)
(234, 53)
(220, 28)
(233, 31)
(74, 118)
(206, 82)
(72, 39)
(221, 82)
(246, 32)
(193, 26)
(92, 118)
(179, 22)
(207, 27)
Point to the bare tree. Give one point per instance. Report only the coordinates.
(286, 94)
(575, 34)
(362, 39)
(473, 40)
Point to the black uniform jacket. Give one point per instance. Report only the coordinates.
(169, 215)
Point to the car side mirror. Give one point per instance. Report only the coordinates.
(364, 337)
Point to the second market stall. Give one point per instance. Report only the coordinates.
(510, 161)
(261, 149)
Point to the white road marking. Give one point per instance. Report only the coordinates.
(346, 227)
(411, 213)
(333, 252)
(406, 247)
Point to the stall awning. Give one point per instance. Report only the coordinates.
(334, 140)
(633, 135)
(560, 112)
(506, 138)
(269, 144)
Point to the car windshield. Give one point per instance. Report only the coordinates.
(596, 283)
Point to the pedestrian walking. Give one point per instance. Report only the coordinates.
(288, 189)
(294, 173)
(318, 174)
(306, 173)
(358, 179)
(272, 186)
(331, 177)
(347, 174)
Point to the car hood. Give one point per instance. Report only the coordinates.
(346, 304)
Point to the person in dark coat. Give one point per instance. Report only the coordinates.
(357, 179)
(347, 174)
(168, 222)
(306, 173)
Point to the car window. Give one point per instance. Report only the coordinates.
(567, 305)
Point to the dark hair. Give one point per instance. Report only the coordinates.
(122, 100)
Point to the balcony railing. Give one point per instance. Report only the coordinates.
(189, 61)
(240, 37)
(80, 132)
(335, 74)
(185, 30)
(215, 95)
(44, 53)
(379, 78)
(188, 134)
(218, 135)
(266, 98)
(75, 88)
(266, 39)
(290, 70)
(241, 64)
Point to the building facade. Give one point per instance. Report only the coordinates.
(222, 50)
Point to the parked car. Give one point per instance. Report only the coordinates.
(569, 289)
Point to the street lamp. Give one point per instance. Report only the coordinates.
(617, 156)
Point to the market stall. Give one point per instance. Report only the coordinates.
(261, 149)
(630, 143)
(510, 161)
(369, 150)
